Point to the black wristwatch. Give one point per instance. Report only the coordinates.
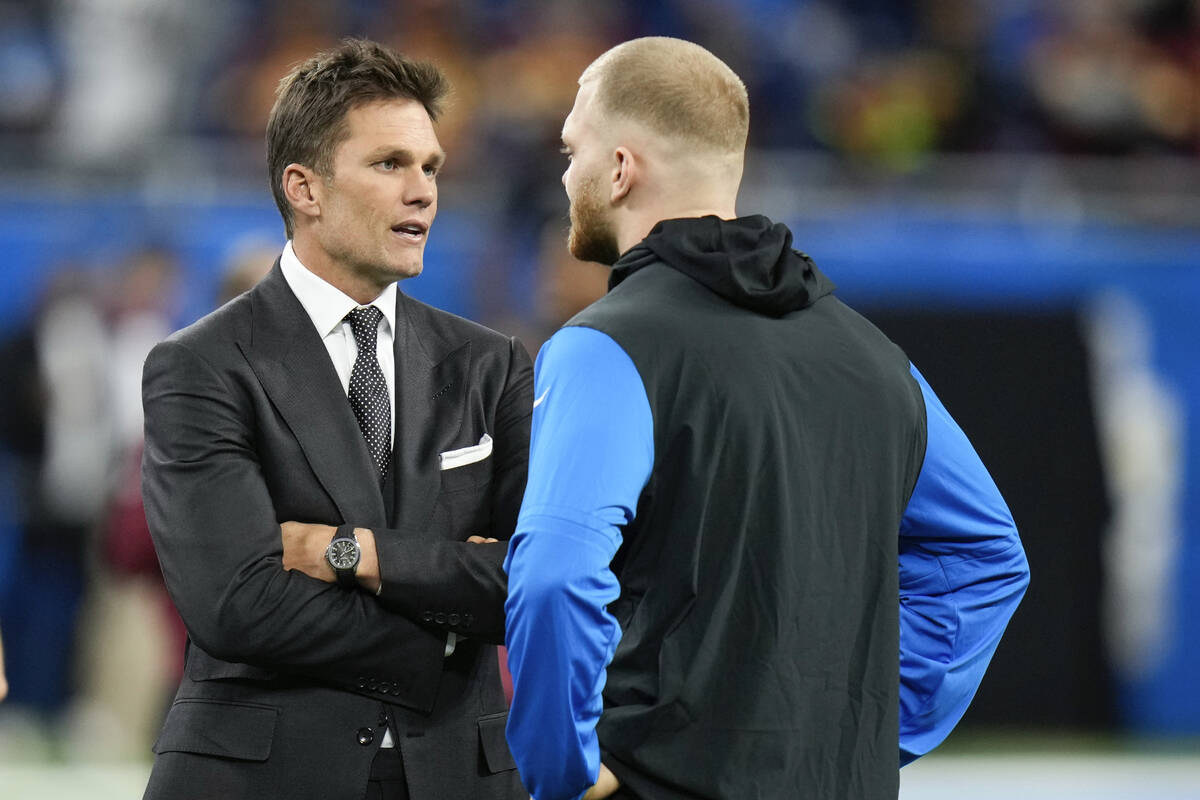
(343, 554)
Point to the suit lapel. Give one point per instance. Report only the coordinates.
(291, 362)
(431, 384)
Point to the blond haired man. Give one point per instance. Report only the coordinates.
(743, 499)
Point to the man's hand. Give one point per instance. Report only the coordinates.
(304, 546)
(481, 539)
(606, 784)
(304, 549)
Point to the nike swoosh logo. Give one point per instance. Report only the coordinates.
(538, 402)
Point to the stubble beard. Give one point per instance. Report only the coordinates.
(592, 237)
(367, 260)
(370, 262)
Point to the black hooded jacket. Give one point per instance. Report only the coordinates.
(759, 600)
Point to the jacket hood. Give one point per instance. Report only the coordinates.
(749, 261)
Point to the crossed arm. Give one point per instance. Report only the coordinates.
(408, 576)
(221, 545)
(304, 546)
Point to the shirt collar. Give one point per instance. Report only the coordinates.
(327, 305)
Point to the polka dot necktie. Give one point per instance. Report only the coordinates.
(368, 389)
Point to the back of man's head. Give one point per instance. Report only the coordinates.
(308, 120)
(677, 89)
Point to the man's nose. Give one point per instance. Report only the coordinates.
(421, 191)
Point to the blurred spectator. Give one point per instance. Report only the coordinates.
(564, 287)
(1142, 427)
(528, 88)
(128, 550)
(142, 310)
(248, 263)
(68, 424)
(894, 110)
(279, 34)
(1106, 84)
(440, 31)
(128, 67)
(28, 73)
(54, 428)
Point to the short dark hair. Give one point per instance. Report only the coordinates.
(308, 120)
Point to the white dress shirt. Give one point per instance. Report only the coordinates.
(328, 306)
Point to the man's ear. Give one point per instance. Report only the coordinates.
(303, 189)
(624, 174)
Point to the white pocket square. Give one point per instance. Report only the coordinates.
(452, 459)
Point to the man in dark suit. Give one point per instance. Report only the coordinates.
(328, 464)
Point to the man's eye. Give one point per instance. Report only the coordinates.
(431, 171)
(388, 164)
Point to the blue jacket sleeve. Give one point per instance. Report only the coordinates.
(962, 573)
(591, 452)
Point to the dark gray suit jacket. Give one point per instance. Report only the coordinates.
(247, 426)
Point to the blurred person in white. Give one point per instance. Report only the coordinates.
(141, 309)
(54, 428)
(92, 352)
(756, 557)
(124, 654)
(1142, 428)
(135, 647)
(131, 75)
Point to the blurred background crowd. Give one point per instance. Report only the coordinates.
(106, 80)
(1008, 188)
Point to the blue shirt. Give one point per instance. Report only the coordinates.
(962, 567)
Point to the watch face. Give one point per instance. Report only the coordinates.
(342, 554)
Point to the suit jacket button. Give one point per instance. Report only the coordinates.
(372, 684)
(365, 736)
(454, 619)
(362, 683)
(467, 620)
(427, 616)
(439, 618)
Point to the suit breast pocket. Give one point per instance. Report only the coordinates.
(466, 467)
